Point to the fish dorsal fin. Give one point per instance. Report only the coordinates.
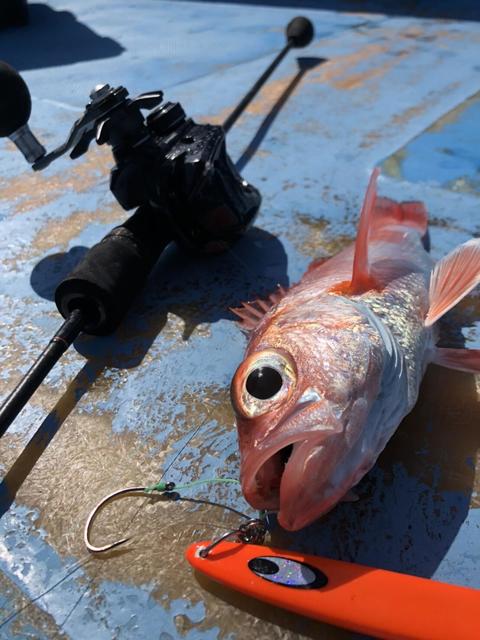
(361, 280)
(453, 278)
(251, 313)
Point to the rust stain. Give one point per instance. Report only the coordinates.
(58, 233)
(337, 72)
(31, 189)
(406, 116)
(268, 95)
(356, 80)
(412, 31)
(216, 118)
(332, 70)
(412, 112)
(312, 237)
(13, 354)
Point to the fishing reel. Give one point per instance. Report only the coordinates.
(174, 171)
(166, 161)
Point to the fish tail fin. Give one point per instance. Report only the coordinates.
(453, 278)
(410, 214)
(377, 213)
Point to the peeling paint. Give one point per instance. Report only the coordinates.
(445, 150)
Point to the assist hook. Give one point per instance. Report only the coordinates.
(252, 531)
(115, 495)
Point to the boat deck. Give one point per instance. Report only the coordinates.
(397, 88)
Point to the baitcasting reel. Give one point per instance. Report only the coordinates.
(164, 160)
(176, 172)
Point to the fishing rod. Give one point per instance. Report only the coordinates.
(175, 172)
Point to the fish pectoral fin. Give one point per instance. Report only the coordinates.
(251, 313)
(361, 279)
(453, 278)
(459, 359)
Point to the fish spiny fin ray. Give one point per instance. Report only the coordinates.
(251, 313)
(460, 359)
(453, 278)
(361, 280)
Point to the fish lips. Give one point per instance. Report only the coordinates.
(284, 476)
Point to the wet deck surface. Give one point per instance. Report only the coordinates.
(152, 401)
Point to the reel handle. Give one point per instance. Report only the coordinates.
(15, 109)
(15, 102)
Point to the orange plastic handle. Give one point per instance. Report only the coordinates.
(386, 604)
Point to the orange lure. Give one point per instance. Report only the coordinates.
(384, 604)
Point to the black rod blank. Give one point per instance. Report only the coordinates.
(299, 34)
(57, 346)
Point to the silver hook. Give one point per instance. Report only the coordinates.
(252, 531)
(96, 510)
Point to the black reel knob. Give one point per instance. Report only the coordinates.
(300, 32)
(15, 102)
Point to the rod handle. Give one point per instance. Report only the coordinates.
(114, 271)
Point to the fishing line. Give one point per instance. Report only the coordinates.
(170, 465)
(88, 557)
(80, 563)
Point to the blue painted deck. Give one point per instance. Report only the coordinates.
(396, 90)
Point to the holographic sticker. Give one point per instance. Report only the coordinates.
(287, 572)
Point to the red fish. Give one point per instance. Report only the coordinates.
(335, 363)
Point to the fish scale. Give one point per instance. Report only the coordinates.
(398, 308)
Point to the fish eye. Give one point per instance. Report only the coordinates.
(263, 383)
(264, 380)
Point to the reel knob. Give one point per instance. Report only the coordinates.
(300, 32)
(15, 102)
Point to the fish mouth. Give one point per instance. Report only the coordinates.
(278, 480)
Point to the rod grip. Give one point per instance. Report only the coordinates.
(113, 271)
